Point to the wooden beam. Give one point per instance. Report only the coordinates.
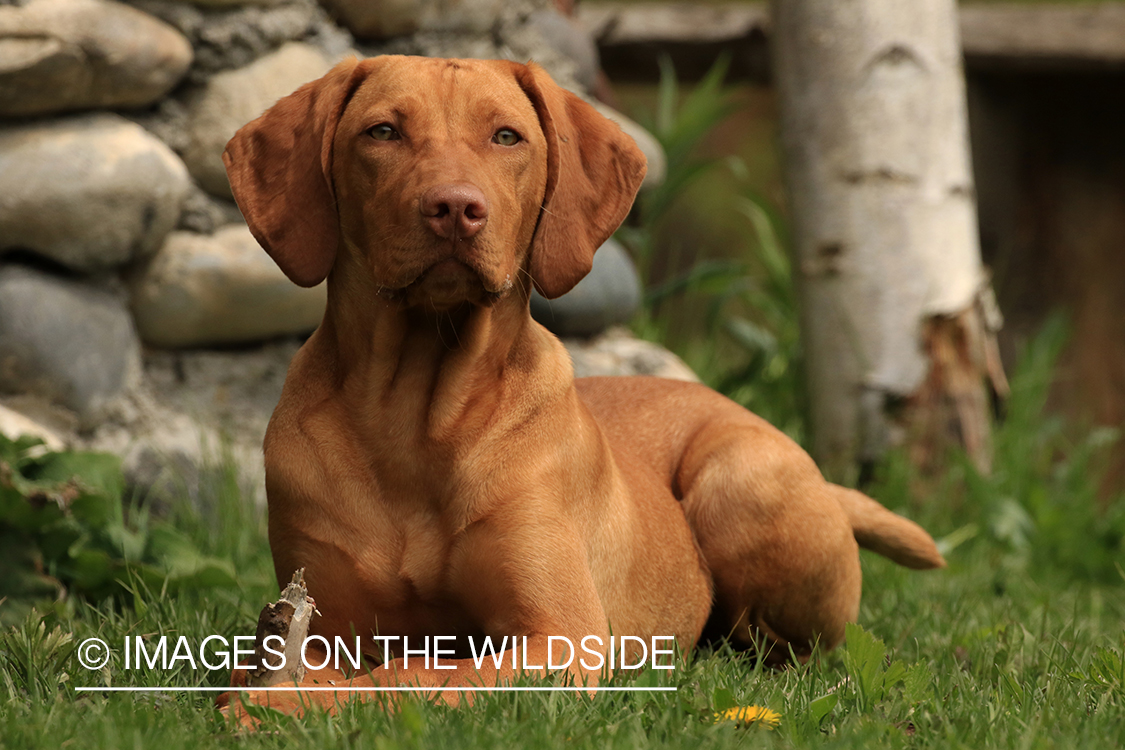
(632, 37)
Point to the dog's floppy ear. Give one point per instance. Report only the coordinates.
(593, 173)
(280, 168)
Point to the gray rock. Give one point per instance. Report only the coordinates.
(62, 55)
(646, 142)
(199, 414)
(233, 98)
(234, 389)
(167, 121)
(90, 193)
(65, 340)
(371, 19)
(167, 463)
(570, 40)
(14, 425)
(61, 422)
(203, 214)
(229, 35)
(202, 290)
(608, 296)
(169, 456)
(511, 35)
(618, 353)
(235, 38)
(380, 19)
(509, 41)
(209, 4)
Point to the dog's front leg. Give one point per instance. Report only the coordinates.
(534, 656)
(452, 682)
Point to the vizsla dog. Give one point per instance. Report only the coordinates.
(434, 465)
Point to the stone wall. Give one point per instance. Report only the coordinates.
(137, 314)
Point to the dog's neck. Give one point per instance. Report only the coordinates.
(447, 373)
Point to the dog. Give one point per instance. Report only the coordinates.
(433, 464)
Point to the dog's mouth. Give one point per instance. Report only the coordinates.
(446, 284)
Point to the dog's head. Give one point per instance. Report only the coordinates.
(446, 180)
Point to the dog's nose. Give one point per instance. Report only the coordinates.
(455, 211)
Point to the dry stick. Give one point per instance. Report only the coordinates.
(289, 618)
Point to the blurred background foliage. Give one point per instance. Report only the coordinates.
(710, 244)
(711, 247)
(72, 532)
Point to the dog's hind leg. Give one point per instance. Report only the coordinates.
(780, 548)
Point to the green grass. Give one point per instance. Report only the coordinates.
(1019, 643)
(989, 659)
(710, 244)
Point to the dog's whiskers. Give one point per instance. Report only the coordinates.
(453, 327)
(520, 277)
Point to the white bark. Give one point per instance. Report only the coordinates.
(875, 139)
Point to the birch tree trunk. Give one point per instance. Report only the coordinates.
(896, 316)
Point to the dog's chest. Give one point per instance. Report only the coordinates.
(411, 565)
(397, 579)
(379, 536)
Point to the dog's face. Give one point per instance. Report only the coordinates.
(434, 182)
(440, 169)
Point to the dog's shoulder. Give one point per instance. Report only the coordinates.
(305, 403)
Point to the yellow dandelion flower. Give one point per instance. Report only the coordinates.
(747, 715)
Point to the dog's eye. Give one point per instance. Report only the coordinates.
(384, 132)
(506, 137)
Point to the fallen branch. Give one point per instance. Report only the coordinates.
(289, 618)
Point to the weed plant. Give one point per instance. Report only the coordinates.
(1003, 649)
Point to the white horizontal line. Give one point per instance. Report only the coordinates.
(398, 689)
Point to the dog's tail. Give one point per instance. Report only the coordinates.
(887, 533)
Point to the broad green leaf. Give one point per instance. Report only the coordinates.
(88, 568)
(917, 683)
(863, 659)
(96, 508)
(822, 706)
(100, 472)
(722, 699)
(894, 674)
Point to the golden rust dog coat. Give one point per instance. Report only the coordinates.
(434, 465)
